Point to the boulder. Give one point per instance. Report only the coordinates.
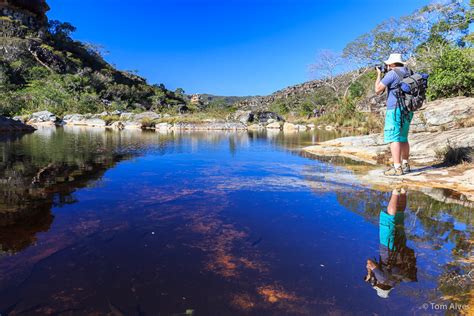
(132, 125)
(126, 116)
(72, 119)
(43, 118)
(83, 120)
(243, 116)
(95, 122)
(264, 116)
(163, 126)
(275, 125)
(10, 125)
(21, 119)
(443, 114)
(210, 126)
(255, 127)
(117, 125)
(311, 126)
(146, 115)
(289, 127)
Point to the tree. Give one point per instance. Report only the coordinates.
(452, 74)
(61, 30)
(336, 71)
(435, 23)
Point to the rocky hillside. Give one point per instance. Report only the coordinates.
(298, 92)
(43, 68)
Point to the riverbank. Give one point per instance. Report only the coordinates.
(239, 120)
(442, 125)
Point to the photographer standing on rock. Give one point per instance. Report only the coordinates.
(396, 127)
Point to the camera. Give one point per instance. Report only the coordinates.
(382, 67)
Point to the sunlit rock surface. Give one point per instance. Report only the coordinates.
(442, 123)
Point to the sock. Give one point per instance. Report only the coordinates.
(404, 161)
(396, 192)
(403, 191)
(397, 165)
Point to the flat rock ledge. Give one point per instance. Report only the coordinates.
(424, 147)
(371, 148)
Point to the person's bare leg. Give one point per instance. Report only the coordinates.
(405, 150)
(393, 203)
(402, 201)
(396, 149)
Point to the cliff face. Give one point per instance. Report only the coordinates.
(38, 7)
(17, 17)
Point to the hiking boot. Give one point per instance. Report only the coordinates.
(406, 168)
(394, 171)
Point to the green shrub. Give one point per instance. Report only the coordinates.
(147, 123)
(452, 74)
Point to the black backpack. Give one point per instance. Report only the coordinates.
(411, 91)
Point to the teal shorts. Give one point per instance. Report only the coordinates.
(393, 130)
(388, 225)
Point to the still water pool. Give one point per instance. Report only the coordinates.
(214, 223)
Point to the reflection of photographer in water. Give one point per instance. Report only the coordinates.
(397, 262)
(396, 127)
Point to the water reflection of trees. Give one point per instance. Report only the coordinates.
(44, 169)
(429, 223)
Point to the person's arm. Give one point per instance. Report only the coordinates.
(379, 85)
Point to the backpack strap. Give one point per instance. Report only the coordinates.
(399, 74)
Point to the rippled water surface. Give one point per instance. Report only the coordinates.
(215, 223)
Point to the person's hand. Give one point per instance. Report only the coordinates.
(379, 72)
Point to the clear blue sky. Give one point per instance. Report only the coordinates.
(227, 47)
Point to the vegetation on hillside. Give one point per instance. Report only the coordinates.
(59, 74)
(56, 73)
(434, 39)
